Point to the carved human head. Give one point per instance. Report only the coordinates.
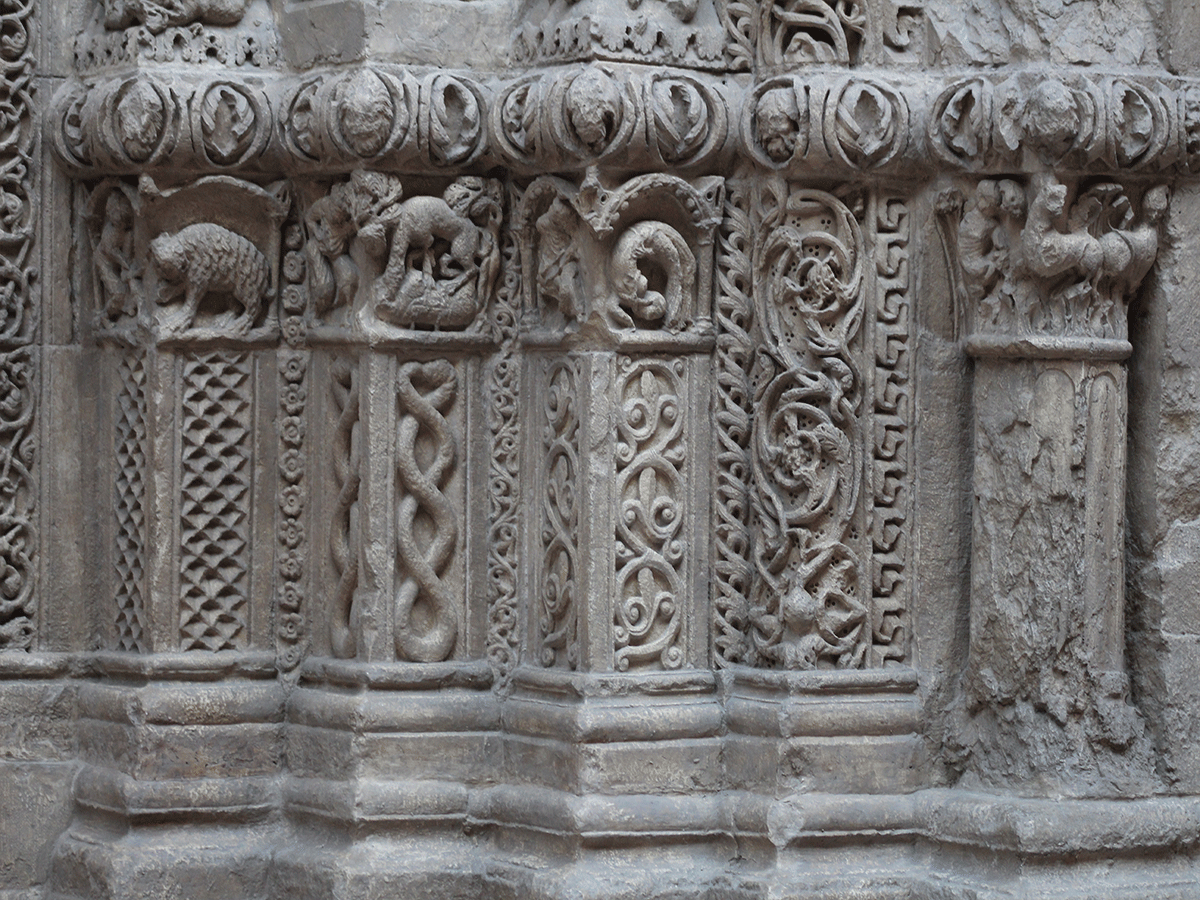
(1012, 198)
(1154, 204)
(1051, 118)
(594, 108)
(987, 197)
(778, 118)
(365, 112)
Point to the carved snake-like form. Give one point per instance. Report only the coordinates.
(343, 537)
(422, 572)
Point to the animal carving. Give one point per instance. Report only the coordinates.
(157, 15)
(444, 257)
(658, 249)
(207, 259)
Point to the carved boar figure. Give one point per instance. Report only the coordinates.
(204, 259)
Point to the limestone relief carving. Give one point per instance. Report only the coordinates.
(291, 632)
(653, 279)
(345, 533)
(18, 539)
(129, 489)
(426, 609)
(203, 259)
(733, 308)
(571, 117)
(1037, 261)
(1047, 271)
(424, 284)
(157, 16)
(808, 607)
(560, 582)
(215, 476)
(651, 553)
(893, 413)
(214, 277)
(677, 32)
(433, 260)
(115, 266)
(504, 500)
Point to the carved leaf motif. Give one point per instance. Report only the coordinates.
(455, 121)
(228, 121)
(680, 118)
(866, 124)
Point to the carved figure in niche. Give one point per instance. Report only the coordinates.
(444, 256)
(558, 276)
(113, 256)
(158, 15)
(779, 121)
(653, 271)
(204, 259)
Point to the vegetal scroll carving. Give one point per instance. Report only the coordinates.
(558, 614)
(650, 548)
(427, 523)
(18, 601)
(807, 606)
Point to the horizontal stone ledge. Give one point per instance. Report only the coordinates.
(816, 121)
(1049, 347)
(243, 799)
(396, 676)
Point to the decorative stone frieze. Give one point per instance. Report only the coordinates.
(597, 449)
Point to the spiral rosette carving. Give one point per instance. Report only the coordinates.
(17, 537)
(650, 548)
(130, 502)
(215, 475)
(734, 358)
(290, 631)
(559, 614)
(503, 469)
(344, 535)
(807, 608)
(426, 617)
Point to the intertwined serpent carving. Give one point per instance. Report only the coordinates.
(343, 537)
(426, 618)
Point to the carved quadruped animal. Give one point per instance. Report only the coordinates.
(443, 258)
(203, 259)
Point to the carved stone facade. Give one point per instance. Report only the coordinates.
(599, 449)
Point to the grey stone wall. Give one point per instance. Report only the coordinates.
(598, 450)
